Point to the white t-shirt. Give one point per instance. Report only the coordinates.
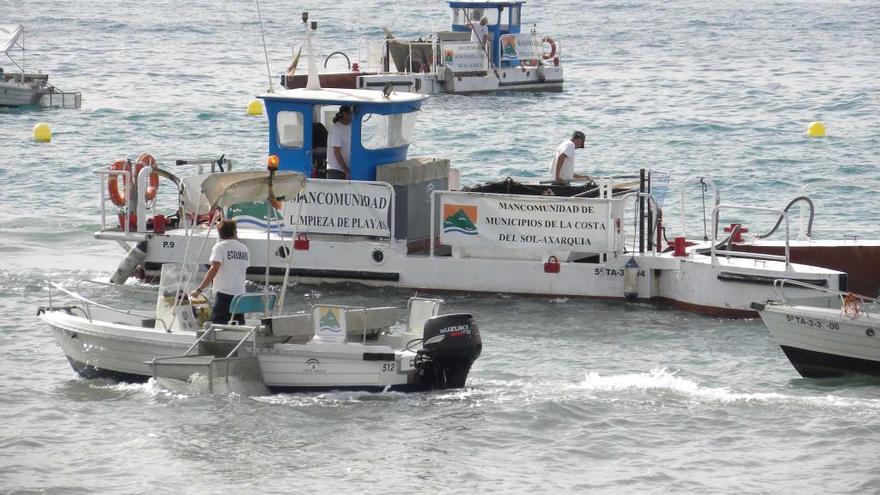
(340, 135)
(567, 172)
(234, 259)
(479, 32)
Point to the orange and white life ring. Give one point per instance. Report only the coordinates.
(147, 160)
(117, 196)
(548, 40)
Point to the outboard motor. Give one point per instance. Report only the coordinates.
(451, 344)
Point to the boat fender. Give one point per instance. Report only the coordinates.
(136, 255)
(631, 280)
(552, 265)
(548, 40)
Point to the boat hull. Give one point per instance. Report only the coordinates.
(14, 94)
(821, 343)
(97, 350)
(123, 353)
(725, 287)
(813, 364)
(544, 78)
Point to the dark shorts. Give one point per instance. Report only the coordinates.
(335, 174)
(220, 313)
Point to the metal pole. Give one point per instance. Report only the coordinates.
(641, 211)
(650, 220)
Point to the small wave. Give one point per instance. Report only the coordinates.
(661, 379)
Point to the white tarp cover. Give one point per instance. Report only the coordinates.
(229, 188)
(9, 34)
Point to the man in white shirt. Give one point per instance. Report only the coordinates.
(230, 260)
(562, 168)
(339, 145)
(480, 31)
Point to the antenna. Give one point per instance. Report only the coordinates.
(265, 51)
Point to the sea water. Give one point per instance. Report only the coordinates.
(570, 395)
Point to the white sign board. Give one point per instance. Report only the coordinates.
(342, 207)
(328, 207)
(521, 47)
(517, 222)
(464, 56)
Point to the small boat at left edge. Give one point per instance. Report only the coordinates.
(22, 88)
(329, 347)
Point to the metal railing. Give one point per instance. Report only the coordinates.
(127, 176)
(780, 283)
(706, 182)
(775, 257)
(90, 303)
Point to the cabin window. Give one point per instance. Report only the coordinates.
(462, 17)
(514, 15)
(492, 15)
(387, 131)
(290, 129)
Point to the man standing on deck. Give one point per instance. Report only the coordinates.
(339, 145)
(480, 34)
(480, 31)
(562, 168)
(230, 260)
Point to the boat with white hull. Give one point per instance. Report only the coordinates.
(822, 341)
(404, 222)
(328, 347)
(451, 61)
(21, 88)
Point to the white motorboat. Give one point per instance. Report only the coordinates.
(328, 347)
(451, 62)
(22, 88)
(825, 340)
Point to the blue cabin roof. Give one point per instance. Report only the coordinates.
(299, 120)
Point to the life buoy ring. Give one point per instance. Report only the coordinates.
(117, 196)
(147, 160)
(552, 43)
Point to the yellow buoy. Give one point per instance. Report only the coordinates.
(42, 133)
(255, 107)
(816, 129)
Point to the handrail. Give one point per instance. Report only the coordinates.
(776, 257)
(126, 224)
(706, 182)
(780, 283)
(636, 195)
(104, 306)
